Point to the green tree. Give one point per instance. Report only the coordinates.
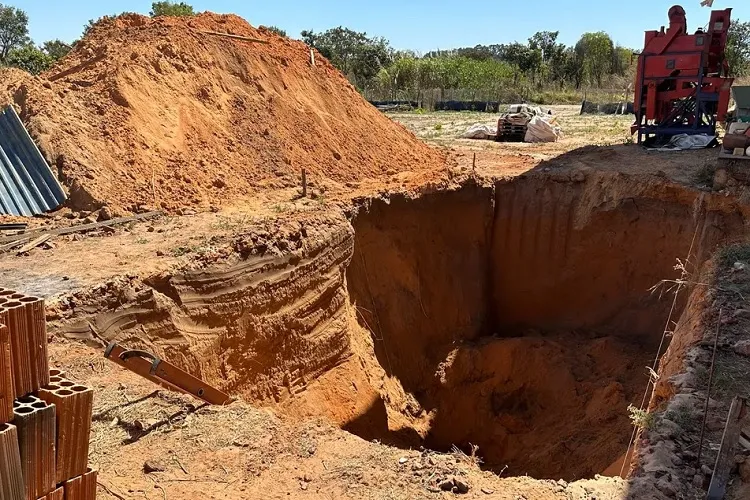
(738, 48)
(56, 49)
(275, 29)
(355, 54)
(29, 58)
(597, 51)
(171, 9)
(14, 30)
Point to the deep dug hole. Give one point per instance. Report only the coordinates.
(519, 318)
(516, 317)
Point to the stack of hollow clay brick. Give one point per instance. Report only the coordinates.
(45, 419)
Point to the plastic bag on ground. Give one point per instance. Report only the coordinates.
(479, 131)
(542, 130)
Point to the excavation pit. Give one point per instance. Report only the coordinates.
(519, 318)
(515, 316)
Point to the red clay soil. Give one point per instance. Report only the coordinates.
(157, 112)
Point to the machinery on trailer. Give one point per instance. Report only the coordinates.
(682, 84)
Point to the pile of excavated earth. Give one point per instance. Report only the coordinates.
(166, 113)
(505, 323)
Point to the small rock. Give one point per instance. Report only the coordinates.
(698, 480)
(706, 470)
(739, 266)
(403, 460)
(721, 177)
(160, 253)
(89, 220)
(742, 348)
(77, 237)
(488, 491)
(142, 209)
(667, 487)
(303, 485)
(150, 466)
(219, 183)
(104, 214)
(446, 485)
(460, 486)
(337, 155)
(150, 229)
(47, 85)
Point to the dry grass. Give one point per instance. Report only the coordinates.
(444, 128)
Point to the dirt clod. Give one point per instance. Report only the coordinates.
(150, 466)
(742, 348)
(105, 214)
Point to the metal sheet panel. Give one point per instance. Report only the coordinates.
(27, 184)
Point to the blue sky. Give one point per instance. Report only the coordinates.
(420, 25)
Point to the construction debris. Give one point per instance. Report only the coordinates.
(81, 228)
(165, 374)
(27, 184)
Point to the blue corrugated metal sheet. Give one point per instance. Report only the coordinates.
(27, 184)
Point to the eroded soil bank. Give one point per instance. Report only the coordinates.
(516, 316)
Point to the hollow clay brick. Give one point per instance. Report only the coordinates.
(82, 487)
(6, 377)
(35, 420)
(11, 479)
(58, 494)
(19, 348)
(73, 404)
(25, 318)
(36, 322)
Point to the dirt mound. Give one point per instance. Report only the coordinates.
(159, 112)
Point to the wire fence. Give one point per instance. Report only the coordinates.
(434, 98)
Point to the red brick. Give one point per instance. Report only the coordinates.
(7, 392)
(73, 406)
(82, 487)
(11, 478)
(35, 420)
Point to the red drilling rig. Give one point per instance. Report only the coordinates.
(682, 85)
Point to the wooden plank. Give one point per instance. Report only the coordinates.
(730, 156)
(82, 227)
(729, 441)
(13, 226)
(34, 243)
(13, 244)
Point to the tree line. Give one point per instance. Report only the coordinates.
(494, 72)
